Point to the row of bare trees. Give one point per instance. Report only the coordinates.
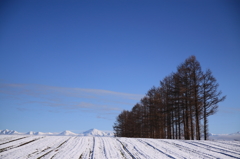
(178, 109)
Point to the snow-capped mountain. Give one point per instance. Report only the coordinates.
(91, 132)
(9, 132)
(39, 133)
(34, 133)
(30, 133)
(233, 136)
(67, 133)
(237, 133)
(95, 132)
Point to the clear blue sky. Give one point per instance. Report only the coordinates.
(75, 65)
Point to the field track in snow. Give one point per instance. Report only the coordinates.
(64, 147)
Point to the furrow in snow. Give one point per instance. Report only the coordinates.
(45, 147)
(193, 149)
(125, 148)
(98, 151)
(74, 148)
(13, 140)
(19, 145)
(228, 147)
(93, 148)
(112, 148)
(143, 150)
(231, 143)
(165, 150)
(179, 149)
(7, 138)
(34, 149)
(216, 149)
(18, 142)
(52, 152)
(87, 151)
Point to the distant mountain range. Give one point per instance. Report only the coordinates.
(9, 132)
(95, 132)
(233, 136)
(91, 132)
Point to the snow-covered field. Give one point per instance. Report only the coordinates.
(64, 147)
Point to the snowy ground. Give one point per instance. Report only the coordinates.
(27, 146)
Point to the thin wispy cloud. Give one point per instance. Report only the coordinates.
(36, 90)
(68, 98)
(229, 110)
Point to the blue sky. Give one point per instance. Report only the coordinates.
(75, 65)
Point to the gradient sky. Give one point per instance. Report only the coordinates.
(75, 65)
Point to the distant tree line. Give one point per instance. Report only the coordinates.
(178, 109)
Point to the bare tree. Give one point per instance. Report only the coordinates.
(174, 110)
(210, 98)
